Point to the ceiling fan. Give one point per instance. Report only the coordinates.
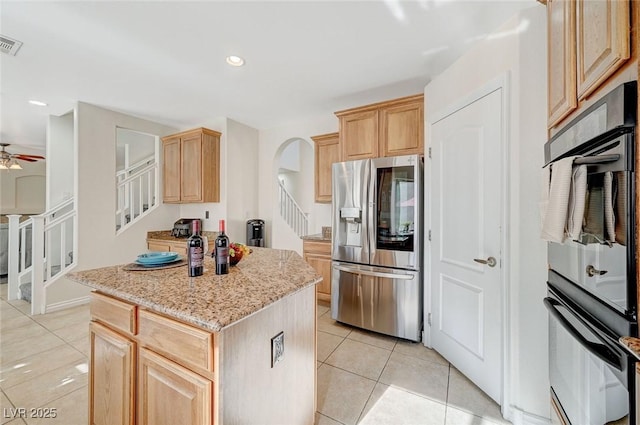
(9, 161)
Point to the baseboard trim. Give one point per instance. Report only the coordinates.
(66, 304)
(520, 417)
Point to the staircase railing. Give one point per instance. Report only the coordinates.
(136, 191)
(41, 250)
(291, 212)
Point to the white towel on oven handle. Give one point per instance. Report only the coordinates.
(556, 193)
(577, 201)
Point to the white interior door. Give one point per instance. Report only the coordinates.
(466, 210)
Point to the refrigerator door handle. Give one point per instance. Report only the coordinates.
(358, 271)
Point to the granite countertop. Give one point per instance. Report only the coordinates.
(210, 301)
(165, 235)
(631, 344)
(317, 237)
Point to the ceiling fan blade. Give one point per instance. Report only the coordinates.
(24, 155)
(24, 159)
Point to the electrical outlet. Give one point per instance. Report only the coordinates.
(206, 215)
(277, 348)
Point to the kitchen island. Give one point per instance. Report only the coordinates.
(236, 348)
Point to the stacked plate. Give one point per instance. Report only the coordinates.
(156, 259)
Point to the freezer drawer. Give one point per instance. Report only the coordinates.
(383, 300)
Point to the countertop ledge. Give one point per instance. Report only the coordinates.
(210, 301)
(631, 344)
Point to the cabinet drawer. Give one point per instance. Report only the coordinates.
(180, 248)
(117, 314)
(158, 246)
(317, 247)
(190, 345)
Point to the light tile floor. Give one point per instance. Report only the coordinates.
(43, 364)
(368, 378)
(363, 377)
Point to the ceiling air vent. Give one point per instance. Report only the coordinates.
(9, 45)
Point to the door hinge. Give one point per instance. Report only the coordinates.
(429, 152)
(429, 319)
(429, 235)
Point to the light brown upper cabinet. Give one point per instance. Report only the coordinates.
(383, 129)
(327, 151)
(191, 166)
(561, 56)
(359, 134)
(588, 41)
(401, 128)
(603, 41)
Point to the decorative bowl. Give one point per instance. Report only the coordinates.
(236, 252)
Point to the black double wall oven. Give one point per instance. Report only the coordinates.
(591, 286)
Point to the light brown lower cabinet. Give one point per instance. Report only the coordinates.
(169, 394)
(111, 377)
(318, 255)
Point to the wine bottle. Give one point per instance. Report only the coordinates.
(222, 251)
(195, 251)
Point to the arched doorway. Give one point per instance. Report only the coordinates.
(293, 167)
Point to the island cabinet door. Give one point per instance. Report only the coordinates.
(169, 394)
(112, 377)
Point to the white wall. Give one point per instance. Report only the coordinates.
(98, 244)
(290, 157)
(272, 143)
(60, 158)
(241, 178)
(96, 192)
(140, 146)
(23, 191)
(519, 49)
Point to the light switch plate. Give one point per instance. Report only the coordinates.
(277, 348)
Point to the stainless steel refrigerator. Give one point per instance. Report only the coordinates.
(376, 281)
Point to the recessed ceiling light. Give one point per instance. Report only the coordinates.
(37, 103)
(235, 60)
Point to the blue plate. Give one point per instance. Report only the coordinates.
(164, 263)
(157, 258)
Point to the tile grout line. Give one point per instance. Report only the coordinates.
(376, 384)
(446, 404)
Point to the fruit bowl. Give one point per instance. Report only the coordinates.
(236, 252)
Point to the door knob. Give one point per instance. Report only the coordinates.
(592, 271)
(491, 262)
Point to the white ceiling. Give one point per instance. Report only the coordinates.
(165, 61)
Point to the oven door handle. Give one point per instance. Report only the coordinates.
(599, 350)
(597, 159)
